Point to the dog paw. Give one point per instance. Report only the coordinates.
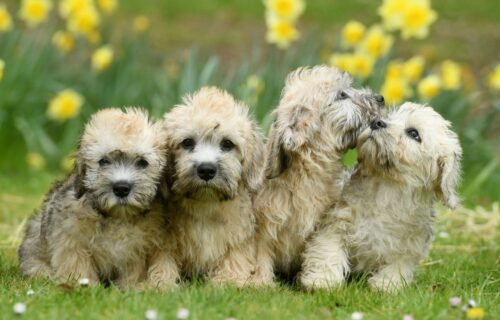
(385, 284)
(316, 281)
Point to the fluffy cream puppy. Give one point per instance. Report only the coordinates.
(216, 165)
(384, 224)
(318, 119)
(105, 220)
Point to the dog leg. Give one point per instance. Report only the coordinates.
(237, 266)
(131, 275)
(71, 262)
(393, 277)
(264, 268)
(163, 271)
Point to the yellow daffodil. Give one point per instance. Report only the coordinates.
(395, 70)
(5, 19)
(391, 12)
(417, 18)
(68, 8)
(451, 75)
(107, 6)
(395, 90)
(2, 68)
(141, 24)
(288, 10)
(376, 42)
(340, 60)
(352, 33)
(475, 313)
(64, 41)
(413, 68)
(282, 33)
(255, 83)
(35, 161)
(494, 78)
(360, 65)
(84, 21)
(93, 37)
(68, 163)
(429, 87)
(34, 12)
(65, 105)
(102, 58)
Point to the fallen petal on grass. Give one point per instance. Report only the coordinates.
(19, 308)
(357, 315)
(182, 313)
(84, 282)
(151, 314)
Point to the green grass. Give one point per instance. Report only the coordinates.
(464, 265)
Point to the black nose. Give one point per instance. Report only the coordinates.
(207, 171)
(380, 99)
(121, 188)
(378, 124)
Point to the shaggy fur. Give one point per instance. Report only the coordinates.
(384, 223)
(212, 223)
(317, 121)
(85, 229)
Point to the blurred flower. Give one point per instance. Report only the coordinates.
(34, 12)
(84, 282)
(352, 33)
(151, 314)
(141, 23)
(71, 7)
(255, 83)
(412, 68)
(5, 19)
(391, 12)
(107, 6)
(429, 87)
(93, 37)
(376, 42)
(417, 18)
(475, 313)
(341, 61)
(102, 58)
(395, 70)
(182, 313)
(493, 78)
(2, 68)
(408, 317)
(288, 10)
(84, 21)
(395, 90)
(360, 65)
(65, 105)
(68, 163)
(35, 160)
(454, 301)
(357, 315)
(64, 41)
(281, 33)
(450, 75)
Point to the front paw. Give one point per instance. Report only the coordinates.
(311, 281)
(162, 281)
(390, 285)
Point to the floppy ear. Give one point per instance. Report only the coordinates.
(253, 164)
(449, 178)
(288, 134)
(79, 172)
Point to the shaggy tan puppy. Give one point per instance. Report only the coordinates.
(317, 121)
(216, 164)
(384, 223)
(105, 221)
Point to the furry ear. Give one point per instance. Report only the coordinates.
(278, 160)
(449, 178)
(79, 173)
(254, 162)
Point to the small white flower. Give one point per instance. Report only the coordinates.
(19, 308)
(407, 317)
(30, 292)
(151, 314)
(471, 303)
(84, 282)
(454, 301)
(357, 315)
(182, 313)
(444, 235)
(230, 318)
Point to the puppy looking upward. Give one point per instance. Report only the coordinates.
(216, 166)
(317, 121)
(105, 221)
(384, 222)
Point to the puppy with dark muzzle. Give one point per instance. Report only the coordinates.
(216, 164)
(383, 224)
(105, 221)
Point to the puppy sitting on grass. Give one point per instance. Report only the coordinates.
(216, 165)
(318, 119)
(384, 223)
(105, 221)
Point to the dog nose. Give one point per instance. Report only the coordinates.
(378, 124)
(121, 188)
(207, 171)
(380, 99)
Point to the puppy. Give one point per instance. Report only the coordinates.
(217, 164)
(105, 220)
(318, 119)
(384, 222)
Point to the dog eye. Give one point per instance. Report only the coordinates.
(188, 144)
(104, 162)
(342, 95)
(142, 163)
(413, 133)
(227, 145)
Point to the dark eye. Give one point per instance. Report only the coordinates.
(413, 133)
(188, 144)
(104, 162)
(142, 163)
(342, 95)
(227, 145)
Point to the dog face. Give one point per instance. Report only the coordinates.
(414, 145)
(319, 107)
(216, 148)
(120, 161)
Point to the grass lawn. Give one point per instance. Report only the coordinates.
(464, 262)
